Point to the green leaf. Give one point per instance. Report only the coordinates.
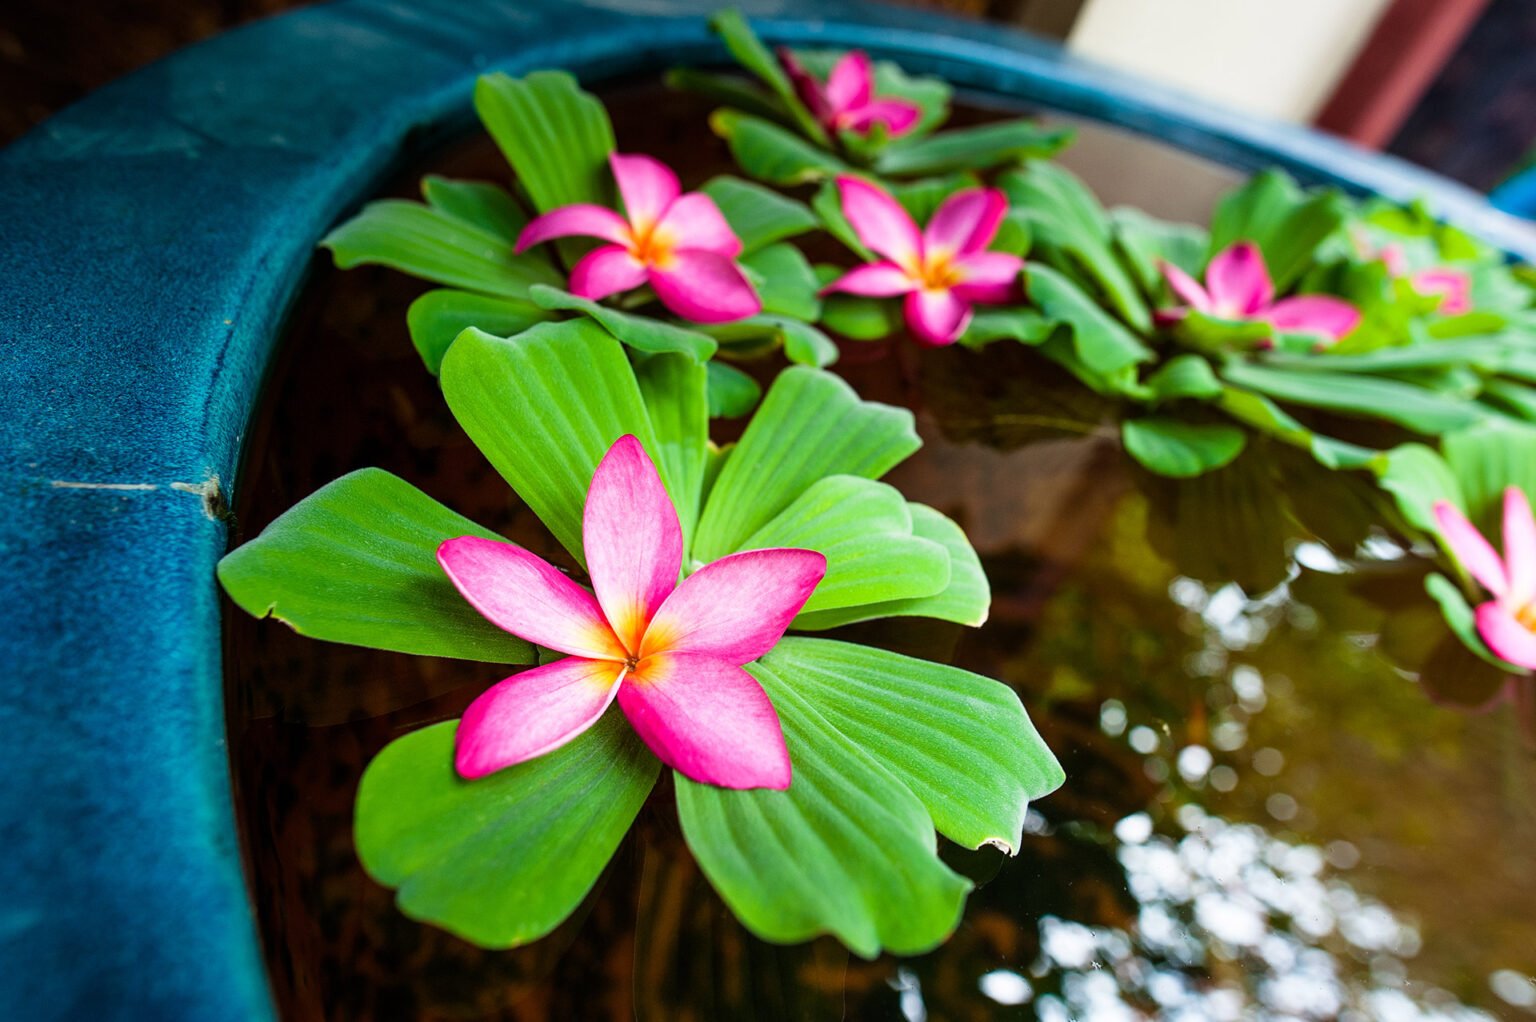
(732, 393)
(675, 391)
(804, 344)
(1064, 215)
(502, 860)
(785, 282)
(429, 243)
(847, 850)
(751, 54)
(759, 216)
(1287, 223)
(998, 323)
(1264, 415)
(556, 137)
(976, 148)
(966, 600)
(544, 408)
(1486, 461)
(828, 204)
(961, 742)
(644, 334)
(439, 316)
(728, 90)
(1145, 241)
(1414, 407)
(810, 425)
(1480, 353)
(356, 562)
(1463, 622)
(865, 530)
(1183, 376)
(1417, 476)
(1178, 449)
(770, 153)
(859, 318)
(477, 203)
(1101, 342)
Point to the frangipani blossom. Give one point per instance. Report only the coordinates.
(670, 653)
(1453, 286)
(943, 269)
(679, 244)
(847, 101)
(1237, 287)
(1507, 622)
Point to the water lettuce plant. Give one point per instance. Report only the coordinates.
(811, 776)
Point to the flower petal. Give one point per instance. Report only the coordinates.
(1395, 259)
(1469, 547)
(1519, 547)
(581, 219)
(989, 277)
(875, 280)
(1185, 286)
(1505, 635)
(880, 222)
(736, 608)
(809, 89)
(705, 287)
(694, 221)
(529, 597)
(647, 185)
(1316, 314)
(851, 83)
(1238, 281)
(606, 271)
(708, 719)
(1454, 286)
(532, 713)
(966, 222)
(898, 116)
(632, 539)
(937, 318)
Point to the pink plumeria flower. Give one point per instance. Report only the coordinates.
(1237, 287)
(671, 654)
(679, 244)
(1453, 286)
(943, 269)
(1507, 622)
(847, 102)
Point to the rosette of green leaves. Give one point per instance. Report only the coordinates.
(886, 749)
(556, 139)
(775, 138)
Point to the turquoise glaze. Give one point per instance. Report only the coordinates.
(154, 236)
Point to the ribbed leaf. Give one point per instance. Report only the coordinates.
(1145, 241)
(1418, 409)
(810, 425)
(544, 408)
(1417, 476)
(1264, 415)
(356, 562)
(1103, 345)
(966, 600)
(1285, 222)
(479, 204)
(675, 392)
(785, 282)
(751, 54)
(1183, 376)
(499, 861)
(847, 850)
(1486, 461)
(865, 530)
(758, 216)
(437, 318)
(859, 318)
(1463, 621)
(1064, 216)
(556, 137)
(1179, 449)
(770, 153)
(434, 245)
(961, 742)
(977, 148)
(644, 334)
(728, 90)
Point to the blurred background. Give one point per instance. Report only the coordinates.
(1448, 84)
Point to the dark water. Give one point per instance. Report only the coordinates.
(1265, 814)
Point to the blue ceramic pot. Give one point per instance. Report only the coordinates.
(154, 236)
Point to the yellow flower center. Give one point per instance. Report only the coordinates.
(1526, 615)
(650, 246)
(939, 272)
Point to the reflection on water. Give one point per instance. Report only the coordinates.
(1266, 816)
